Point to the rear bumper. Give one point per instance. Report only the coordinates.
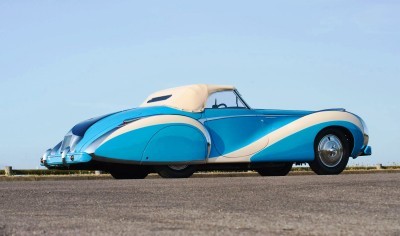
(83, 161)
(58, 160)
(367, 151)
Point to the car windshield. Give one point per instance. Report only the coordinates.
(225, 99)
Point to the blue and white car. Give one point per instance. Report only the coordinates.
(178, 131)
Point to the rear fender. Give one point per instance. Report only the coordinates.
(179, 143)
(163, 138)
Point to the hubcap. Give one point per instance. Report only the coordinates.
(178, 167)
(330, 150)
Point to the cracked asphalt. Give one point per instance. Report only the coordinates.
(353, 204)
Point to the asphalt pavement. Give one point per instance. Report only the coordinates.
(352, 204)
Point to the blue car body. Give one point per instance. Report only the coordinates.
(163, 134)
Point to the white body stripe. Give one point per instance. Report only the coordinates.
(286, 131)
(158, 120)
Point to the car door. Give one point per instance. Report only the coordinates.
(232, 126)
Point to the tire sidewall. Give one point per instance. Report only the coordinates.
(276, 170)
(129, 173)
(167, 172)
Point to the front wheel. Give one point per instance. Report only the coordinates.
(332, 152)
(280, 170)
(176, 171)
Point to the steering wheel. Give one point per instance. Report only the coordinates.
(222, 104)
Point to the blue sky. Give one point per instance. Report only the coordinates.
(62, 62)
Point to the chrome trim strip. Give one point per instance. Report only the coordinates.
(46, 154)
(127, 121)
(70, 141)
(258, 115)
(208, 139)
(56, 149)
(64, 155)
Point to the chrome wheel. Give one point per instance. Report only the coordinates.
(330, 150)
(178, 167)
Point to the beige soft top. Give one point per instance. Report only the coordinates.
(190, 98)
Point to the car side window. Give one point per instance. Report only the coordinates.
(224, 99)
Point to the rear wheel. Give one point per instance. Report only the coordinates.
(129, 173)
(332, 152)
(280, 170)
(176, 171)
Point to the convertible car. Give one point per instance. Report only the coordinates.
(178, 131)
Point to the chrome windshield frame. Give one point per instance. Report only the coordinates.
(241, 99)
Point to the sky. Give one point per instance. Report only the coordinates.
(62, 62)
